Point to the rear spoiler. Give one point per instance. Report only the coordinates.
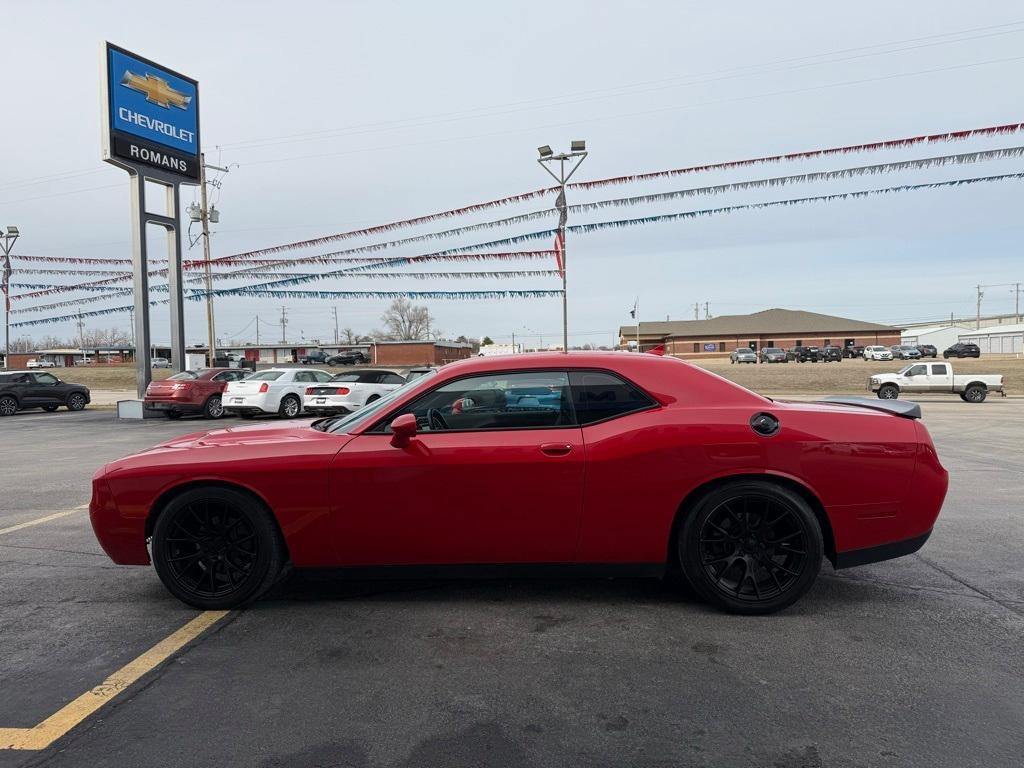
(902, 408)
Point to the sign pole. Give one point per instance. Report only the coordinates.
(140, 285)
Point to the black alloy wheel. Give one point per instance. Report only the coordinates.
(751, 547)
(216, 548)
(76, 401)
(8, 406)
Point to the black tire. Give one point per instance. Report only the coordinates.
(290, 407)
(888, 392)
(975, 393)
(173, 415)
(207, 538)
(213, 408)
(50, 408)
(76, 401)
(768, 528)
(8, 406)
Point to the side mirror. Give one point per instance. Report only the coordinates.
(403, 430)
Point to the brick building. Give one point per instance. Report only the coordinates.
(401, 353)
(785, 328)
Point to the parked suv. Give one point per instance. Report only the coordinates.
(962, 350)
(856, 350)
(348, 357)
(804, 354)
(743, 355)
(875, 352)
(33, 389)
(905, 352)
(192, 392)
(831, 354)
(927, 350)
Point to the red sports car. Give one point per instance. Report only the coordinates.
(602, 463)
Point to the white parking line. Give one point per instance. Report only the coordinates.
(40, 520)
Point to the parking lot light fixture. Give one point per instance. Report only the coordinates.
(575, 158)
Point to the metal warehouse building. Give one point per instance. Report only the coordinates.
(939, 336)
(785, 328)
(997, 339)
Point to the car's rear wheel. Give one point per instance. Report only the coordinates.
(751, 547)
(214, 407)
(290, 407)
(76, 401)
(216, 548)
(888, 392)
(975, 393)
(8, 406)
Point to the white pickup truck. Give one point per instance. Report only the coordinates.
(935, 377)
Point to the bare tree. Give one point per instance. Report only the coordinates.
(349, 336)
(405, 321)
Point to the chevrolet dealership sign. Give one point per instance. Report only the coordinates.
(151, 115)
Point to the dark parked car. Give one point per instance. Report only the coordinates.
(349, 357)
(831, 354)
(315, 357)
(37, 389)
(773, 355)
(857, 350)
(193, 392)
(927, 350)
(962, 350)
(804, 354)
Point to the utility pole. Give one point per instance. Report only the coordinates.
(335, 310)
(977, 322)
(81, 334)
(578, 152)
(707, 310)
(206, 215)
(284, 324)
(513, 342)
(1016, 300)
(257, 330)
(131, 325)
(7, 243)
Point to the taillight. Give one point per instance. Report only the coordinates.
(309, 390)
(180, 385)
(264, 387)
(342, 391)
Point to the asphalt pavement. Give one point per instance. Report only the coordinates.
(914, 662)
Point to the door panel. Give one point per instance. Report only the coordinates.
(459, 497)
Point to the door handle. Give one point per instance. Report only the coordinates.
(556, 449)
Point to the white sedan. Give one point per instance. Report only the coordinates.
(276, 390)
(350, 391)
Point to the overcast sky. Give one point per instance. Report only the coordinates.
(341, 115)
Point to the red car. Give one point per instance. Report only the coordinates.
(192, 392)
(602, 463)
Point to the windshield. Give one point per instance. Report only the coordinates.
(350, 421)
(183, 376)
(265, 376)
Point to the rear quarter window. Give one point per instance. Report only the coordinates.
(597, 396)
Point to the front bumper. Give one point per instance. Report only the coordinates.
(122, 538)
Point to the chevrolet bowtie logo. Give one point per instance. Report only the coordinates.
(157, 90)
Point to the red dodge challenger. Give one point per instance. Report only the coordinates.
(600, 463)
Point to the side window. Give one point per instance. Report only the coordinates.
(320, 376)
(21, 378)
(598, 396)
(496, 401)
(393, 378)
(226, 376)
(940, 369)
(45, 378)
(917, 370)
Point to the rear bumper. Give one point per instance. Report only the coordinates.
(248, 404)
(182, 406)
(854, 557)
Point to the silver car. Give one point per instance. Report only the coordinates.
(743, 355)
(905, 352)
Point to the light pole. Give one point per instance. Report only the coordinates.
(205, 215)
(576, 155)
(7, 241)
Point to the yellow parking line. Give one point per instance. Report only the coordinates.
(66, 718)
(46, 519)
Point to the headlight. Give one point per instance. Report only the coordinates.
(875, 380)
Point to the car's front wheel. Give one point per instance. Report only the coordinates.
(888, 392)
(76, 401)
(216, 548)
(751, 547)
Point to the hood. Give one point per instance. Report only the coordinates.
(250, 434)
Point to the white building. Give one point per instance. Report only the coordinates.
(939, 336)
(997, 339)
